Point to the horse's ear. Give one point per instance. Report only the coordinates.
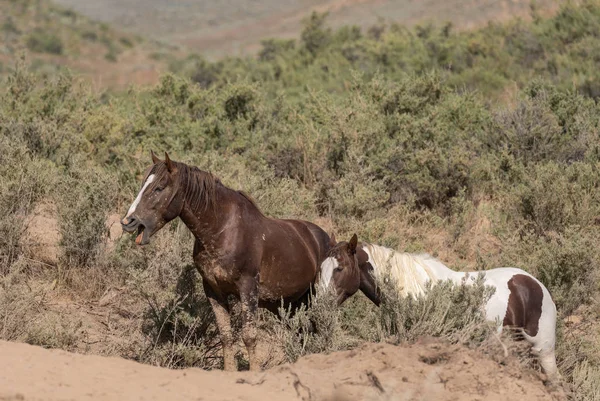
(352, 244)
(332, 240)
(170, 166)
(155, 158)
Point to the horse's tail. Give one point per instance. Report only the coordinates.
(544, 343)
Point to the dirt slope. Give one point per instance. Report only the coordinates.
(372, 372)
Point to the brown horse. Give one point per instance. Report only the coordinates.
(519, 301)
(238, 250)
(347, 269)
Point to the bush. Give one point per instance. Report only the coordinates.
(24, 181)
(85, 197)
(454, 312)
(53, 331)
(310, 329)
(586, 382)
(577, 204)
(314, 35)
(181, 327)
(45, 42)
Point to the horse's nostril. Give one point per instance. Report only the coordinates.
(127, 221)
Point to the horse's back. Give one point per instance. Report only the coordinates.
(291, 252)
(314, 236)
(321, 237)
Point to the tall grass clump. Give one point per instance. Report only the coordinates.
(586, 382)
(20, 305)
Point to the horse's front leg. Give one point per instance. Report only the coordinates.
(223, 318)
(248, 288)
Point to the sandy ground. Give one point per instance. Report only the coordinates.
(431, 371)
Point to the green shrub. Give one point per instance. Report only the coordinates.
(92, 36)
(84, 199)
(315, 35)
(125, 41)
(547, 125)
(9, 26)
(577, 204)
(24, 181)
(565, 264)
(45, 42)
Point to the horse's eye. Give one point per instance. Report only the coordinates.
(158, 189)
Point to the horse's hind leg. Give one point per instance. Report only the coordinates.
(249, 297)
(548, 361)
(543, 349)
(223, 318)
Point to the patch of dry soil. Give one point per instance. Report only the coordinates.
(431, 371)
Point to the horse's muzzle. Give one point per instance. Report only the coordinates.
(132, 224)
(129, 224)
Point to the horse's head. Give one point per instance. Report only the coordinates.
(158, 202)
(340, 268)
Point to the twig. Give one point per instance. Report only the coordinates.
(502, 344)
(38, 261)
(375, 381)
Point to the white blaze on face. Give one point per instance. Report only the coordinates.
(139, 197)
(327, 268)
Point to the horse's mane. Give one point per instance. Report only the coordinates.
(410, 271)
(200, 186)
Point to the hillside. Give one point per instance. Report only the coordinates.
(233, 28)
(54, 38)
(118, 44)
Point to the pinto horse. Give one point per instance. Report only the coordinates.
(520, 300)
(238, 250)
